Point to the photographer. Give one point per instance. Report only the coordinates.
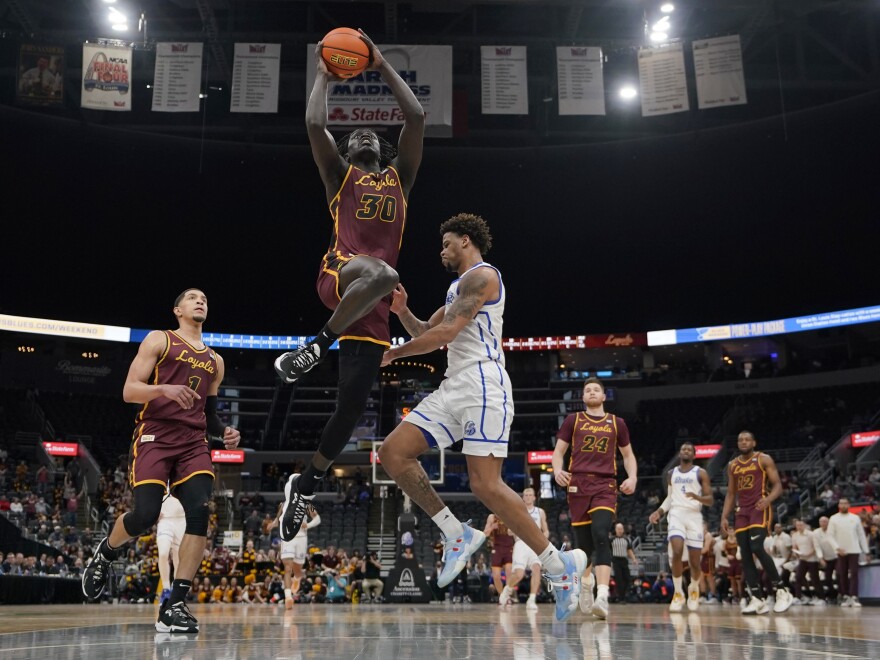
(335, 586)
(372, 585)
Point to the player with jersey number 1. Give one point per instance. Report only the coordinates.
(474, 403)
(689, 490)
(595, 437)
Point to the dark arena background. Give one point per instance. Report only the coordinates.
(714, 264)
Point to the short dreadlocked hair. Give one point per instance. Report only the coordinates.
(473, 226)
(387, 151)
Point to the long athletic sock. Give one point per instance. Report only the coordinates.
(179, 590)
(551, 560)
(448, 524)
(325, 339)
(308, 481)
(108, 552)
(676, 581)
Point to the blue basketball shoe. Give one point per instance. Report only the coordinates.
(567, 585)
(457, 551)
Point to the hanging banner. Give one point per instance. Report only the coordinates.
(580, 82)
(504, 80)
(177, 77)
(719, 69)
(662, 79)
(106, 77)
(40, 75)
(255, 77)
(367, 100)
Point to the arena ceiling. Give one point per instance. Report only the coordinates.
(797, 53)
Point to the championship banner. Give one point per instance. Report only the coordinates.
(177, 77)
(662, 80)
(580, 81)
(366, 100)
(256, 73)
(719, 69)
(504, 80)
(106, 77)
(40, 75)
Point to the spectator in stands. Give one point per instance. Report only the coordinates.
(662, 588)
(372, 584)
(4, 502)
(220, 590)
(253, 525)
(233, 592)
(336, 585)
(319, 590)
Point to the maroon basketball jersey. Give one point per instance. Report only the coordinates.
(181, 364)
(594, 442)
(369, 215)
(751, 481)
(500, 538)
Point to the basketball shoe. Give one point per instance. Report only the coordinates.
(756, 606)
(94, 579)
(506, 597)
(586, 597)
(294, 511)
(176, 619)
(677, 602)
(457, 551)
(783, 600)
(566, 586)
(292, 365)
(693, 596)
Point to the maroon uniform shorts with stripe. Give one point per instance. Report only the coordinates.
(747, 518)
(501, 555)
(371, 327)
(588, 492)
(162, 453)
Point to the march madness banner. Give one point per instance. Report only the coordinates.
(366, 100)
(106, 77)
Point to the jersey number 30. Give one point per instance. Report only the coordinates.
(385, 206)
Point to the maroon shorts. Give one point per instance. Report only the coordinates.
(371, 327)
(162, 453)
(501, 556)
(752, 517)
(588, 492)
(705, 567)
(735, 567)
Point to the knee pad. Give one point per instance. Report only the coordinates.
(194, 495)
(601, 529)
(145, 512)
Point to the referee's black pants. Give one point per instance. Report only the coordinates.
(622, 578)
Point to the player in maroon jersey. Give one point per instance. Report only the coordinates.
(753, 484)
(176, 377)
(501, 539)
(595, 437)
(367, 191)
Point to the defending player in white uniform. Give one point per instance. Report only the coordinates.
(295, 551)
(170, 529)
(689, 491)
(524, 557)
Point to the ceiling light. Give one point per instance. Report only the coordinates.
(628, 92)
(662, 25)
(666, 7)
(120, 27)
(657, 37)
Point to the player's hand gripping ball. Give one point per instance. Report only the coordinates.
(344, 52)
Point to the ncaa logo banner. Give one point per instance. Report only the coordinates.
(106, 77)
(366, 99)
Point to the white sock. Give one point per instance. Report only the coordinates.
(551, 560)
(602, 590)
(287, 594)
(677, 582)
(448, 524)
(588, 580)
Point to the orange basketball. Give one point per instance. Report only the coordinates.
(344, 52)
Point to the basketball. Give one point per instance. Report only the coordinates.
(344, 52)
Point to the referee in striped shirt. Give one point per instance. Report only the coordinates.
(621, 553)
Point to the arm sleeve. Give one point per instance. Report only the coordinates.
(314, 522)
(215, 426)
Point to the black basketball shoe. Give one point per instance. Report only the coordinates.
(94, 579)
(294, 511)
(176, 619)
(292, 365)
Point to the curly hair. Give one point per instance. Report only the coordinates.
(387, 151)
(473, 226)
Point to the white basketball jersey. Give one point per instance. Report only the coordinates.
(683, 483)
(171, 508)
(480, 340)
(535, 514)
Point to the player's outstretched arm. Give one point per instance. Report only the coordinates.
(413, 325)
(330, 164)
(475, 288)
(411, 140)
